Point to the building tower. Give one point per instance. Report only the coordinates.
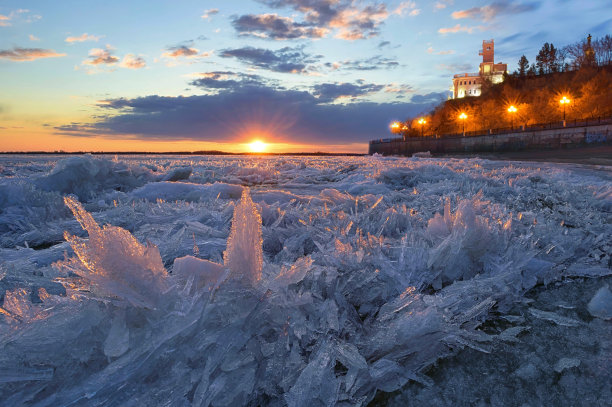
(469, 84)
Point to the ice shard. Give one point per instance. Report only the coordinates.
(244, 256)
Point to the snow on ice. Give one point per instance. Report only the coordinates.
(307, 281)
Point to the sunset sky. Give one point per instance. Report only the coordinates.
(305, 75)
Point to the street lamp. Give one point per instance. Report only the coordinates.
(395, 127)
(512, 110)
(422, 123)
(564, 101)
(462, 117)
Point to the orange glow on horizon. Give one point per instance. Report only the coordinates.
(31, 138)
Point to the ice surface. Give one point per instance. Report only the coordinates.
(298, 281)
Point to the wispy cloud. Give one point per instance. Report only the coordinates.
(82, 38)
(28, 54)
(20, 15)
(460, 28)
(209, 13)
(431, 50)
(490, 11)
(407, 7)
(439, 5)
(33, 38)
(367, 64)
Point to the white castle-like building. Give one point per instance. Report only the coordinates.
(469, 84)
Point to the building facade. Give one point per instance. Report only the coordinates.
(469, 84)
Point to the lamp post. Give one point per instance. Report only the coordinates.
(512, 110)
(462, 117)
(422, 123)
(395, 127)
(564, 101)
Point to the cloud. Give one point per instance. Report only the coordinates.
(33, 38)
(99, 56)
(275, 27)
(328, 92)
(82, 38)
(349, 18)
(460, 28)
(4, 21)
(225, 80)
(282, 115)
(430, 98)
(132, 61)
(490, 11)
(28, 54)
(181, 51)
(368, 64)
(20, 14)
(209, 13)
(439, 5)
(383, 44)
(398, 88)
(286, 60)
(403, 8)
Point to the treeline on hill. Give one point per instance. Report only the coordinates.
(581, 73)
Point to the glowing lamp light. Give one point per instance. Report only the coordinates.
(512, 110)
(422, 122)
(258, 146)
(463, 116)
(564, 101)
(395, 126)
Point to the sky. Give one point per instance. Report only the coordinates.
(300, 75)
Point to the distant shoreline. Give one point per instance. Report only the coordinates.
(318, 153)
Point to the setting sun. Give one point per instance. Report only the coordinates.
(258, 146)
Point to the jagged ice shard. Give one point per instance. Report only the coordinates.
(243, 256)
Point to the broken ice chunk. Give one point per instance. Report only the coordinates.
(566, 363)
(204, 273)
(601, 304)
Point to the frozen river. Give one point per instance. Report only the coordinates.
(304, 281)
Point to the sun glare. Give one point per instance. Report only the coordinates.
(258, 146)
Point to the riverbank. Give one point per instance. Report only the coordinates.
(591, 155)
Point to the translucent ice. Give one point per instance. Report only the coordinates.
(116, 263)
(243, 256)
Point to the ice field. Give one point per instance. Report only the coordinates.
(304, 281)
